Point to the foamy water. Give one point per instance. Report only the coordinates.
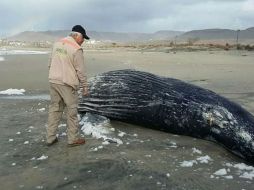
(20, 52)
(26, 97)
(2, 58)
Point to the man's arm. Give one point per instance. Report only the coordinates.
(79, 66)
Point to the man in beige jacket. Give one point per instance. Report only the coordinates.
(66, 73)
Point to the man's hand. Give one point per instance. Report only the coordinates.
(85, 91)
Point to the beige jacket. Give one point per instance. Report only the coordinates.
(66, 65)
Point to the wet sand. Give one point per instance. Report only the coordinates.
(147, 159)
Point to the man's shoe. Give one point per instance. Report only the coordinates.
(77, 143)
(53, 142)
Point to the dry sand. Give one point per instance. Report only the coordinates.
(148, 160)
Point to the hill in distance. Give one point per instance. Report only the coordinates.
(34, 36)
(206, 34)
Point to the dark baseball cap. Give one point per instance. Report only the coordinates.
(80, 29)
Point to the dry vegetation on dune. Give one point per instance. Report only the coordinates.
(169, 46)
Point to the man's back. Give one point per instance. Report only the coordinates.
(62, 67)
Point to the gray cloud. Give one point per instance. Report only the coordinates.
(125, 16)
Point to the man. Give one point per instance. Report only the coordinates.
(66, 73)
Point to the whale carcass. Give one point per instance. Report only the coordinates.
(173, 106)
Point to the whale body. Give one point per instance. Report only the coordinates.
(172, 106)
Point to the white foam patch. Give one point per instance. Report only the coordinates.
(42, 109)
(12, 91)
(98, 127)
(63, 134)
(105, 143)
(204, 159)
(26, 142)
(2, 58)
(228, 177)
(121, 133)
(62, 125)
(43, 157)
(173, 144)
(221, 172)
(96, 148)
(248, 175)
(245, 171)
(242, 166)
(188, 163)
(195, 150)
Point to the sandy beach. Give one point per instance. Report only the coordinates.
(147, 159)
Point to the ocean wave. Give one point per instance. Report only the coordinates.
(21, 52)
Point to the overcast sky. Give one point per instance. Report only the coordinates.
(124, 15)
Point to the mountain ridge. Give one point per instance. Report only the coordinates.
(204, 34)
